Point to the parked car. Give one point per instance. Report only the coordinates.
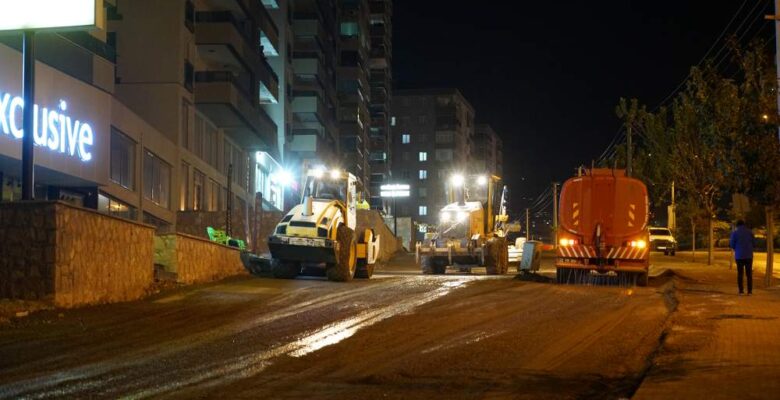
(661, 239)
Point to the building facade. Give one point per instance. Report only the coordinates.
(353, 88)
(432, 140)
(381, 82)
(169, 110)
(488, 151)
(315, 133)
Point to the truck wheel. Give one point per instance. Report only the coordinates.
(346, 257)
(439, 266)
(282, 269)
(364, 270)
(642, 279)
(426, 265)
(494, 262)
(503, 252)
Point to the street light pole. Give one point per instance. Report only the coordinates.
(527, 224)
(28, 90)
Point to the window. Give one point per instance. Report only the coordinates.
(422, 192)
(406, 138)
(122, 159)
(422, 138)
(423, 173)
(185, 124)
(235, 157)
(189, 75)
(198, 190)
(405, 174)
(392, 121)
(443, 154)
(349, 29)
(423, 156)
(405, 156)
(184, 187)
(189, 15)
(214, 196)
(157, 180)
(422, 120)
(111, 206)
(444, 137)
(423, 211)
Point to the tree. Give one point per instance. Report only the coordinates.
(758, 155)
(705, 118)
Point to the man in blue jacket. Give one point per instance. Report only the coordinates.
(742, 241)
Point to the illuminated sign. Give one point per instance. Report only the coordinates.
(52, 128)
(47, 14)
(394, 190)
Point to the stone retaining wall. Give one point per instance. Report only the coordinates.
(388, 244)
(197, 260)
(72, 256)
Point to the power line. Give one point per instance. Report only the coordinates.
(720, 50)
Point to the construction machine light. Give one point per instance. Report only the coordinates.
(283, 177)
(461, 216)
(567, 242)
(317, 172)
(641, 244)
(457, 180)
(335, 174)
(482, 180)
(445, 217)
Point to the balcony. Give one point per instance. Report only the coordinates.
(225, 100)
(268, 82)
(269, 34)
(309, 108)
(221, 39)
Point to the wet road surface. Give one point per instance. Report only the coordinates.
(398, 335)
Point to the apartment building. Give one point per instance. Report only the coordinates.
(277, 44)
(352, 86)
(488, 151)
(169, 111)
(381, 83)
(432, 140)
(315, 135)
(198, 74)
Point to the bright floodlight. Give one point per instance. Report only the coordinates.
(335, 174)
(482, 180)
(457, 180)
(445, 217)
(462, 216)
(318, 172)
(284, 178)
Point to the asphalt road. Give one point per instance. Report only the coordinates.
(398, 335)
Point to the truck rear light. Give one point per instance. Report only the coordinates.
(567, 242)
(640, 244)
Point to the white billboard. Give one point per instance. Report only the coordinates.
(17, 15)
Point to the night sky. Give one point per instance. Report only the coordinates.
(548, 74)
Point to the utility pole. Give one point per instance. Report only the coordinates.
(527, 224)
(672, 217)
(776, 19)
(555, 213)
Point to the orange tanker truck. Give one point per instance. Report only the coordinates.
(603, 235)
